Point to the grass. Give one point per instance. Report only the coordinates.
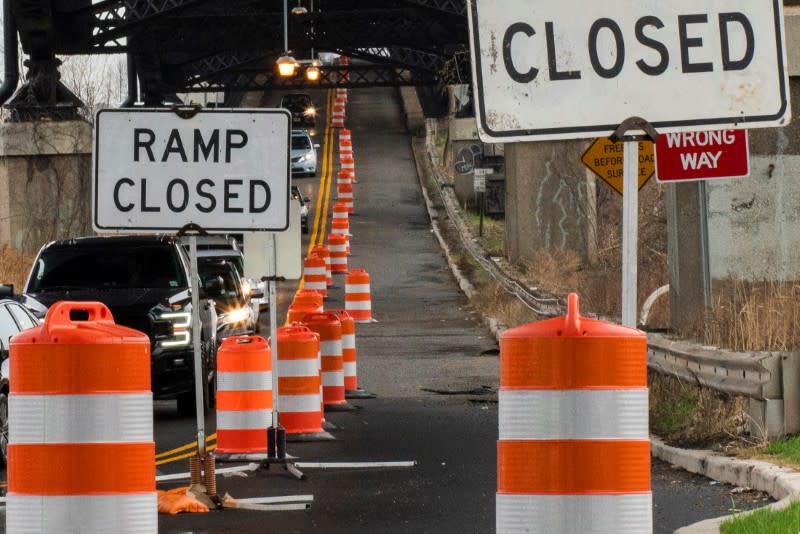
(784, 451)
(493, 239)
(765, 521)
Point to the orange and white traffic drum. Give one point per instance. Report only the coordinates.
(81, 456)
(573, 453)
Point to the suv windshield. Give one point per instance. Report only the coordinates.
(231, 294)
(296, 102)
(124, 266)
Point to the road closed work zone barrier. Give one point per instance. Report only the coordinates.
(573, 453)
(67, 472)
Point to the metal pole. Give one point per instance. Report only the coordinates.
(704, 250)
(273, 328)
(198, 355)
(630, 230)
(480, 227)
(285, 26)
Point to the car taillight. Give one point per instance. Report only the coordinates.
(181, 334)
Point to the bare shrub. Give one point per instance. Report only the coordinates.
(494, 301)
(753, 315)
(14, 266)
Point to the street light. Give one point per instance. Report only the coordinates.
(286, 63)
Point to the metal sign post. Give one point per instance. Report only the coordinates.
(196, 343)
(630, 211)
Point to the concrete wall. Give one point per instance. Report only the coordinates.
(550, 200)
(754, 222)
(45, 182)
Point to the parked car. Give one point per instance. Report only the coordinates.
(145, 282)
(303, 154)
(303, 208)
(14, 318)
(302, 108)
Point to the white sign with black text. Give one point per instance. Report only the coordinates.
(224, 170)
(575, 69)
(479, 179)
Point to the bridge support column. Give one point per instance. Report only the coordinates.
(45, 182)
(550, 200)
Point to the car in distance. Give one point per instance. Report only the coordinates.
(14, 318)
(302, 108)
(303, 208)
(145, 282)
(303, 154)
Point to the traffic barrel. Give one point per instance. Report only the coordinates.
(345, 196)
(350, 357)
(573, 453)
(81, 455)
(340, 210)
(344, 177)
(309, 296)
(348, 164)
(325, 253)
(329, 328)
(342, 227)
(315, 274)
(344, 133)
(357, 296)
(337, 244)
(244, 395)
(337, 116)
(299, 384)
(345, 149)
(297, 311)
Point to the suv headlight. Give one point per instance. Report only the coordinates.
(308, 156)
(181, 330)
(309, 112)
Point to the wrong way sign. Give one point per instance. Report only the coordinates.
(225, 170)
(687, 156)
(577, 69)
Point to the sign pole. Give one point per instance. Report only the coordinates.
(198, 353)
(273, 329)
(630, 210)
(630, 231)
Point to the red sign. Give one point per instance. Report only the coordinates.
(702, 155)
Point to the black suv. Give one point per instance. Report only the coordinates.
(145, 282)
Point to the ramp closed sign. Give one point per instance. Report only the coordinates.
(225, 170)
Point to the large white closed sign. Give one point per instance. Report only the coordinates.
(577, 68)
(225, 170)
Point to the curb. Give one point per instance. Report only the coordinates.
(781, 483)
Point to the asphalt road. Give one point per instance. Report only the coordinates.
(424, 351)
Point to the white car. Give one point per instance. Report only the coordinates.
(303, 154)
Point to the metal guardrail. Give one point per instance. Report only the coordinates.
(735, 373)
(752, 374)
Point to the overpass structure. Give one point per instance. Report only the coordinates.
(183, 46)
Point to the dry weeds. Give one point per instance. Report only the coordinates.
(691, 415)
(14, 266)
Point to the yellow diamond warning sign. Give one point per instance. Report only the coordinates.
(604, 158)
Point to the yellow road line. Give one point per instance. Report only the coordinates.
(209, 448)
(186, 447)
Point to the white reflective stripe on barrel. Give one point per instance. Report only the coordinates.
(340, 215)
(92, 514)
(298, 368)
(314, 270)
(348, 341)
(573, 514)
(357, 305)
(121, 417)
(330, 348)
(332, 378)
(244, 419)
(573, 414)
(240, 381)
(350, 369)
(300, 403)
(339, 231)
(315, 285)
(356, 288)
